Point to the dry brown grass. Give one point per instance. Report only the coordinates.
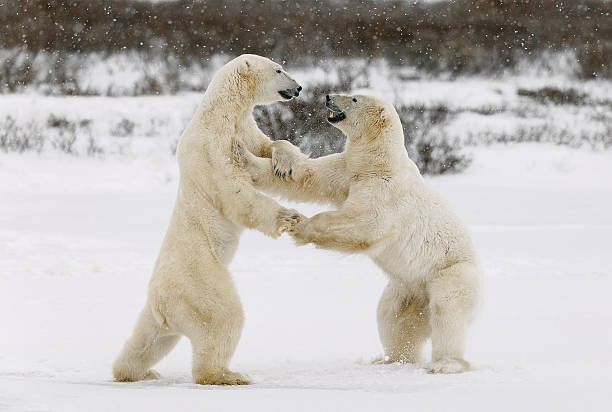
(465, 36)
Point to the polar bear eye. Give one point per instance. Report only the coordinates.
(354, 100)
(278, 70)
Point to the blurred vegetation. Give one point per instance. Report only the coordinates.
(462, 36)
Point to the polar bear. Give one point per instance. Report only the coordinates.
(386, 211)
(191, 292)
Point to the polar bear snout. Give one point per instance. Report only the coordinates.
(290, 93)
(335, 114)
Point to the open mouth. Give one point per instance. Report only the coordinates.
(335, 114)
(335, 117)
(287, 94)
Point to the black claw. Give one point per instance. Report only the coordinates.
(290, 171)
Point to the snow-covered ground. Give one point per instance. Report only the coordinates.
(79, 236)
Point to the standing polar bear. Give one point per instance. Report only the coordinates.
(191, 292)
(386, 211)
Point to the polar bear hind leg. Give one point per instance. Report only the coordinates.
(148, 345)
(213, 344)
(403, 324)
(213, 325)
(453, 298)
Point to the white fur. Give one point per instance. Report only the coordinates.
(191, 292)
(387, 212)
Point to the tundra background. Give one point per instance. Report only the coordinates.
(133, 48)
(510, 101)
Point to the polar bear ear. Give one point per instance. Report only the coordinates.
(383, 113)
(244, 67)
(383, 116)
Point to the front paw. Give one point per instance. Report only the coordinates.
(285, 159)
(287, 219)
(301, 233)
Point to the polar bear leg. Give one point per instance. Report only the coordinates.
(319, 180)
(147, 346)
(403, 324)
(213, 344)
(453, 299)
(213, 324)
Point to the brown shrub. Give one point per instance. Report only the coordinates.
(464, 36)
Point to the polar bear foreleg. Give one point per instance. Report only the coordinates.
(341, 230)
(242, 204)
(453, 298)
(321, 180)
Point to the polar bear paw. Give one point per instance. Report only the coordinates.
(225, 377)
(129, 376)
(447, 366)
(285, 158)
(387, 360)
(151, 375)
(381, 360)
(304, 232)
(287, 219)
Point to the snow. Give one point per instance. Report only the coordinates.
(474, 111)
(79, 236)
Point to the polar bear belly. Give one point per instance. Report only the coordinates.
(403, 262)
(224, 237)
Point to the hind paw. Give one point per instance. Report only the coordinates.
(151, 374)
(225, 377)
(447, 366)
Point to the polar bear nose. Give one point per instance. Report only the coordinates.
(327, 97)
(299, 88)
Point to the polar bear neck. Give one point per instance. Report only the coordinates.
(383, 152)
(230, 95)
(228, 109)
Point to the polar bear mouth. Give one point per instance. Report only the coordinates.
(335, 117)
(289, 94)
(335, 114)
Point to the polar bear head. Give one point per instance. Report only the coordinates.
(359, 115)
(256, 79)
